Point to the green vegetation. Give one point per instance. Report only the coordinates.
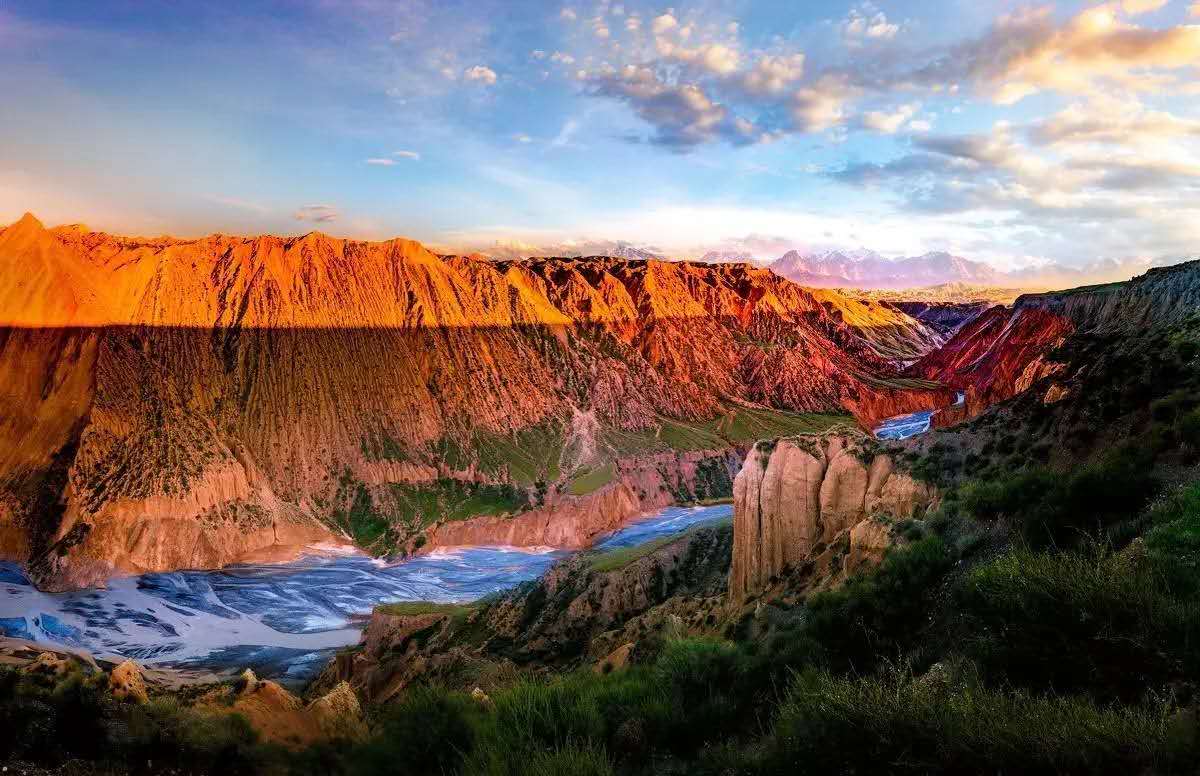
(526, 456)
(591, 480)
(893, 723)
(447, 499)
(1055, 509)
(50, 720)
(619, 558)
(740, 425)
(413, 608)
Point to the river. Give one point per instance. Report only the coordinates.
(905, 426)
(283, 620)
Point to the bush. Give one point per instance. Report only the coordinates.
(427, 732)
(896, 724)
(53, 718)
(1053, 509)
(163, 732)
(876, 615)
(1092, 622)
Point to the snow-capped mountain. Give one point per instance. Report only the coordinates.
(868, 269)
(728, 257)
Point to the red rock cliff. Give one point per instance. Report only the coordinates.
(171, 403)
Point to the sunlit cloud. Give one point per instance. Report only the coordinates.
(480, 74)
(319, 214)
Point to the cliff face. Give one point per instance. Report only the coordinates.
(1006, 350)
(998, 355)
(944, 317)
(812, 500)
(174, 403)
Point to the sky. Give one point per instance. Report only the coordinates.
(1016, 134)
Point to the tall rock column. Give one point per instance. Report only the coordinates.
(796, 496)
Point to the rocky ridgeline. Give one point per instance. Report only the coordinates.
(172, 403)
(1005, 351)
(822, 505)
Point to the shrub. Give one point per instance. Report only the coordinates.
(53, 718)
(1056, 509)
(896, 724)
(427, 732)
(1094, 622)
(876, 615)
(164, 732)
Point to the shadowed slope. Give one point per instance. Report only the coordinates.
(180, 403)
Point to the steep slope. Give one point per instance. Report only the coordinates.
(181, 403)
(1006, 350)
(944, 317)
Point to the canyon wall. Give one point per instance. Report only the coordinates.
(808, 500)
(1005, 350)
(170, 403)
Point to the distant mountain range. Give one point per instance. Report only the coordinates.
(867, 269)
(863, 269)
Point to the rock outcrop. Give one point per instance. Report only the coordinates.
(802, 500)
(581, 612)
(127, 683)
(279, 717)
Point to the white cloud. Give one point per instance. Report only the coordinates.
(480, 74)
(866, 22)
(774, 74)
(319, 214)
(567, 14)
(1133, 7)
(521, 137)
(822, 105)
(565, 134)
(888, 123)
(381, 162)
(664, 23)
(407, 155)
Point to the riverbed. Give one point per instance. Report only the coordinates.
(905, 426)
(283, 620)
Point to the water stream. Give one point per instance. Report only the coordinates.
(905, 426)
(282, 620)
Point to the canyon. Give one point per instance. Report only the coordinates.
(171, 403)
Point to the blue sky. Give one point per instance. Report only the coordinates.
(1012, 133)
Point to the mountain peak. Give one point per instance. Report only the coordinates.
(27, 223)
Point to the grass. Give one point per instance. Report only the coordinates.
(738, 426)
(527, 456)
(448, 499)
(619, 558)
(901, 383)
(1091, 621)
(894, 723)
(416, 608)
(591, 480)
